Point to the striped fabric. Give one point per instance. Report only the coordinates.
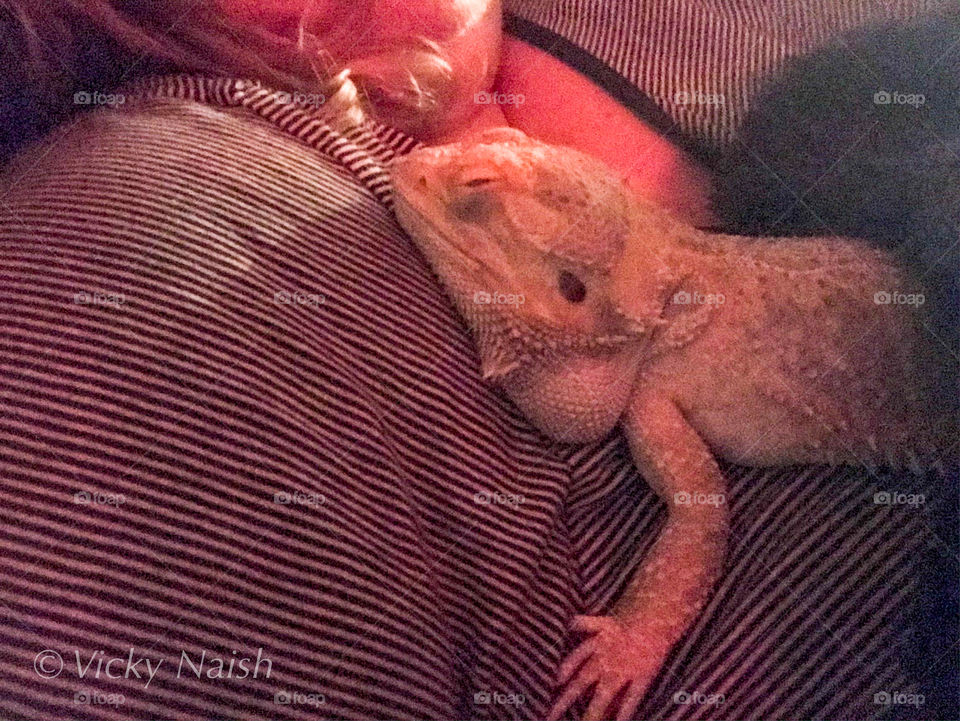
(239, 420)
(701, 61)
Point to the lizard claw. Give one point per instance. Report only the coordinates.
(613, 660)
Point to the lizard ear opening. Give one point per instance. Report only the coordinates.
(639, 305)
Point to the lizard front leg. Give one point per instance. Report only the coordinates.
(627, 649)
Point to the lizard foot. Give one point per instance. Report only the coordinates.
(617, 660)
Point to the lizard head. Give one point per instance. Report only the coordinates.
(526, 238)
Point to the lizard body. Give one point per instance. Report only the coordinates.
(591, 307)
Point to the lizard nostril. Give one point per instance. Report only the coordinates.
(422, 182)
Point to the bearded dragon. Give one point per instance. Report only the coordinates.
(592, 307)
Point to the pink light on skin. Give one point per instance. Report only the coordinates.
(564, 107)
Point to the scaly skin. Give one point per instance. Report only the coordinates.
(758, 351)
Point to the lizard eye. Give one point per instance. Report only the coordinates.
(571, 287)
(478, 182)
(472, 208)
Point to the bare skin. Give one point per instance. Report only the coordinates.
(757, 351)
(571, 110)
